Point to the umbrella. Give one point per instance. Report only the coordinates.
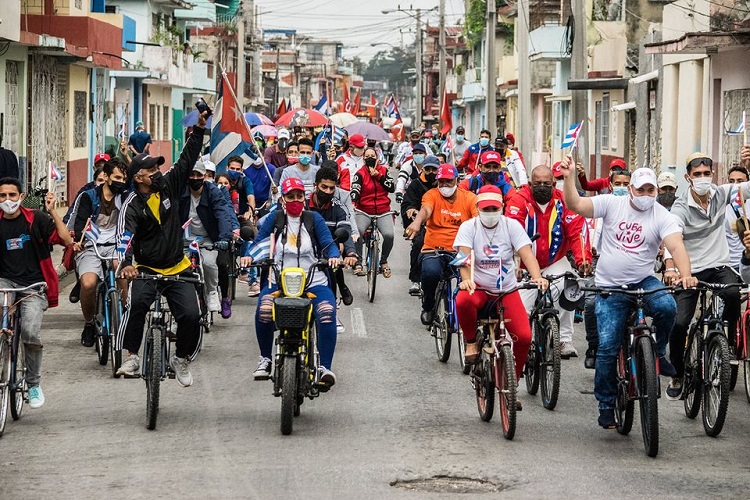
(302, 118)
(266, 130)
(343, 119)
(368, 130)
(252, 119)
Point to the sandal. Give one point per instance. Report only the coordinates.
(472, 353)
(385, 270)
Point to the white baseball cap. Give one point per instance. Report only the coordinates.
(667, 179)
(210, 166)
(643, 176)
(283, 134)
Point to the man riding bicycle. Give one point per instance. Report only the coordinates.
(150, 230)
(633, 228)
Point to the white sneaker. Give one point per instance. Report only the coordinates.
(567, 350)
(181, 368)
(339, 327)
(214, 304)
(253, 290)
(36, 397)
(326, 377)
(263, 372)
(130, 366)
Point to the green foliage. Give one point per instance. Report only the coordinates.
(475, 21)
(395, 65)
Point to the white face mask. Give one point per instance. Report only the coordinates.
(489, 219)
(447, 192)
(643, 203)
(10, 207)
(702, 185)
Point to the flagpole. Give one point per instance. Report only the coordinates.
(744, 211)
(247, 126)
(744, 130)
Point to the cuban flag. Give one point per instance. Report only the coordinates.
(124, 245)
(571, 138)
(195, 245)
(322, 105)
(447, 146)
(260, 249)
(461, 259)
(92, 232)
(229, 132)
(54, 173)
(740, 128)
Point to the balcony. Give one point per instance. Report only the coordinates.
(10, 27)
(473, 92)
(170, 66)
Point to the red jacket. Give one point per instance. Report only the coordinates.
(371, 194)
(470, 160)
(565, 222)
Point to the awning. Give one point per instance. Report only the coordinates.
(701, 42)
(598, 84)
(558, 98)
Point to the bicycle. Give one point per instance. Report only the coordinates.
(157, 346)
(706, 382)
(108, 313)
(543, 362)
(637, 370)
(13, 387)
(741, 343)
(445, 319)
(196, 265)
(371, 240)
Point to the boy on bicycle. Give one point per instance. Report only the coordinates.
(24, 260)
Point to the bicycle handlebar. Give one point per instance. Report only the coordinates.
(41, 285)
(160, 277)
(626, 291)
(702, 285)
(390, 212)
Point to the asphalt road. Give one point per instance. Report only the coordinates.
(396, 415)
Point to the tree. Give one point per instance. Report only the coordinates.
(395, 66)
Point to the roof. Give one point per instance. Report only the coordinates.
(701, 42)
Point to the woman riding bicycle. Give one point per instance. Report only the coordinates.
(370, 189)
(493, 238)
(296, 238)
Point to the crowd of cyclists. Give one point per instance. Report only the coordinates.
(477, 207)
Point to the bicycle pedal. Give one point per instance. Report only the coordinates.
(488, 350)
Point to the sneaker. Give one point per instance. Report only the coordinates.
(181, 368)
(674, 390)
(214, 304)
(75, 292)
(567, 350)
(666, 368)
(415, 289)
(36, 397)
(346, 295)
(242, 278)
(339, 327)
(607, 418)
(519, 405)
(590, 361)
(326, 376)
(578, 316)
(130, 367)
(263, 372)
(88, 335)
(226, 309)
(426, 318)
(254, 290)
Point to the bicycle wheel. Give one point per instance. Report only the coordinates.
(484, 386)
(4, 382)
(461, 342)
(531, 368)
(692, 383)
(232, 277)
(152, 373)
(102, 335)
(747, 380)
(549, 364)
(507, 390)
(373, 265)
(648, 391)
(18, 373)
(288, 393)
(441, 328)
(624, 405)
(716, 388)
(115, 318)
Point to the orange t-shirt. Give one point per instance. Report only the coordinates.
(446, 217)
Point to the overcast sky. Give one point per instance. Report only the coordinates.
(357, 24)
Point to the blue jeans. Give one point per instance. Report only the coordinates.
(324, 311)
(612, 314)
(433, 267)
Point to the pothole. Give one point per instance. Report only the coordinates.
(449, 484)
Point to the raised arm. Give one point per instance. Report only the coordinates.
(577, 203)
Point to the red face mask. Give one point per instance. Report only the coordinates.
(294, 208)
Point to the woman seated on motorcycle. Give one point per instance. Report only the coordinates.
(288, 238)
(493, 239)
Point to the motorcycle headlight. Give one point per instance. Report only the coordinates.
(293, 282)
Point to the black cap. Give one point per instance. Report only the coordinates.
(144, 161)
(460, 129)
(502, 140)
(419, 147)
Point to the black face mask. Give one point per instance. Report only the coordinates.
(323, 197)
(370, 162)
(430, 178)
(666, 199)
(541, 194)
(195, 184)
(117, 187)
(282, 144)
(157, 182)
(490, 178)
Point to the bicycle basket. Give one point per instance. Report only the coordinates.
(291, 313)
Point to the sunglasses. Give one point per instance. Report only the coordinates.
(698, 161)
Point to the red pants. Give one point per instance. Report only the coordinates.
(517, 321)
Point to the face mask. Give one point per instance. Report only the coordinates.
(702, 185)
(292, 160)
(282, 144)
(157, 182)
(370, 162)
(294, 208)
(643, 203)
(490, 178)
(10, 207)
(323, 197)
(305, 159)
(489, 219)
(666, 199)
(195, 184)
(460, 138)
(117, 187)
(484, 142)
(233, 175)
(430, 178)
(559, 185)
(418, 159)
(541, 194)
(447, 192)
(620, 191)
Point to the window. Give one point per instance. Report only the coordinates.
(605, 121)
(153, 120)
(607, 10)
(79, 119)
(165, 123)
(315, 53)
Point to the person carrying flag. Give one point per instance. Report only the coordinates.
(96, 222)
(469, 162)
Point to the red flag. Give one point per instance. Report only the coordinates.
(281, 109)
(347, 102)
(371, 108)
(445, 115)
(357, 102)
(232, 118)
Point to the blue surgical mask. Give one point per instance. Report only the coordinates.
(484, 142)
(620, 191)
(460, 138)
(233, 174)
(419, 159)
(305, 159)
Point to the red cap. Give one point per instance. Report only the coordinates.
(357, 141)
(557, 170)
(292, 184)
(101, 157)
(491, 157)
(511, 138)
(489, 196)
(618, 163)
(446, 171)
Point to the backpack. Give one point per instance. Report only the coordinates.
(308, 219)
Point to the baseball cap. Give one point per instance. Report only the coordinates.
(210, 166)
(557, 170)
(446, 171)
(489, 196)
(460, 129)
(418, 147)
(431, 161)
(666, 179)
(618, 163)
(291, 184)
(415, 132)
(642, 176)
(101, 157)
(283, 134)
(199, 167)
(511, 138)
(502, 140)
(143, 161)
(357, 141)
(491, 157)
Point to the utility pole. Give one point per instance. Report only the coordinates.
(276, 92)
(524, 137)
(491, 68)
(441, 50)
(579, 71)
(418, 68)
(240, 15)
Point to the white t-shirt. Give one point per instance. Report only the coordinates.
(495, 269)
(733, 240)
(287, 254)
(630, 239)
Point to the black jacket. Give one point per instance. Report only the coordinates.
(335, 217)
(215, 212)
(139, 234)
(413, 198)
